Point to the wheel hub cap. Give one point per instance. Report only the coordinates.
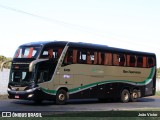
(61, 97)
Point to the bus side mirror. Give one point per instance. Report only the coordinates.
(33, 63)
(3, 63)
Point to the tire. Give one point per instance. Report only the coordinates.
(61, 97)
(134, 96)
(125, 96)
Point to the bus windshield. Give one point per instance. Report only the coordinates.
(27, 52)
(20, 76)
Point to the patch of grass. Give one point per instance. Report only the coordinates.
(158, 93)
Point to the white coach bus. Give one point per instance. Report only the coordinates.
(59, 70)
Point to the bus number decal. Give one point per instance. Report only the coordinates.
(67, 70)
(66, 76)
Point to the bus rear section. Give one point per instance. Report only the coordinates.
(108, 74)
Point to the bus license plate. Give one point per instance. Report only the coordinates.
(17, 96)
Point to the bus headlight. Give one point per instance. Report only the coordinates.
(30, 95)
(30, 90)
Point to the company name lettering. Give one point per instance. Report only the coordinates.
(131, 72)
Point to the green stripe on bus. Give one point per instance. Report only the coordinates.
(114, 81)
(104, 82)
(49, 91)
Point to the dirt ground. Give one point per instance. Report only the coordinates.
(2, 97)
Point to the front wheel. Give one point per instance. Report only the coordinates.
(61, 97)
(125, 96)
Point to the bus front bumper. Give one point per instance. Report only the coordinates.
(30, 94)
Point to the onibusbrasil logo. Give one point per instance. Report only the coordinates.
(18, 114)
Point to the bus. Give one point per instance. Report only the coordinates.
(61, 70)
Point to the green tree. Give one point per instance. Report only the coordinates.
(158, 72)
(2, 59)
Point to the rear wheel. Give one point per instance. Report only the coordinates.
(61, 97)
(125, 96)
(134, 96)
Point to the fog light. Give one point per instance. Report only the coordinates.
(30, 95)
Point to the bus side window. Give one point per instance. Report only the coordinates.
(139, 61)
(50, 53)
(128, 60)
(78, 56)
(70, 57)
(92, 57)
(88, 58)
(132, 62)
(150, 62)
(74, 56)
(144, 61)
(44, 54)
(65, 58)
(82, 57)
(102, 58)
(122, 59)
(99, 58)
(95, 58)
(108, 59)
(59, 52)
(115, 59)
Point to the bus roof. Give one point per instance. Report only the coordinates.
(89, 46)
(107, 48)
(43, 43)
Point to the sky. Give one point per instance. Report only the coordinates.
(128, 24)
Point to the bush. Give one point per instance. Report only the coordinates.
(2, 59)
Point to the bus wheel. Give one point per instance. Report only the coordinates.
(61, 97)
(134, 95)
(125, 96)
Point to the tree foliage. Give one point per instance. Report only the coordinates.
(158, 72)
(2, 59)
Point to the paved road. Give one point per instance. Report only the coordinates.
(78, 105)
